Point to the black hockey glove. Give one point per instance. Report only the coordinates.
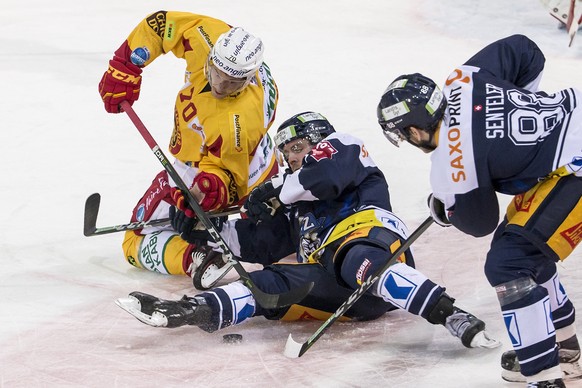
(438, 211)
(190, 229)
(263, 201)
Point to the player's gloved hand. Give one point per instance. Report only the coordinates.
(263, 200)
(182, 224)
(182, 218)
(179, 201)
(191, 229)
(212, 191)
(121, 82)
(438, 211)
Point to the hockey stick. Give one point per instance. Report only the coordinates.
(92, 210)
(295, 349)
(268, 301)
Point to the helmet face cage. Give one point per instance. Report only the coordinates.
(394, 135)
(307, 125)
(410, 100)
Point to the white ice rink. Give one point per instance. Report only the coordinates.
(59, 326)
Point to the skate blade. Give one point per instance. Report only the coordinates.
(210, 278)
(571, 370)
(512, 377)
(482, 340)
(133, 307)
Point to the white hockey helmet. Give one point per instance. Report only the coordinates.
(237, 53)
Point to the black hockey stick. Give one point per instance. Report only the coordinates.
(268, 301)
(295, 349)
(92, 210)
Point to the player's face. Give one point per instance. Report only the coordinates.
(422, 139)
(295, 151)
(222, 84)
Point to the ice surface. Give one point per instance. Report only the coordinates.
(59, 324)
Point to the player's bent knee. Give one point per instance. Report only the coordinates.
(130, 246)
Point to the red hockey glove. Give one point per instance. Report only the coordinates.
(122, 81)
(180, 202)
(212, 191)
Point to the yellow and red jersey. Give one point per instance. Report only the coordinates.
(226, 137)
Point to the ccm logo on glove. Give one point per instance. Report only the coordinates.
(121, 81)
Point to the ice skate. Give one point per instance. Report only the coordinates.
(165, 313)
(568, 354)
(470, 329)
(209, 267)
(556, 383)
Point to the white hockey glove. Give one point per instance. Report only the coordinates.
(438, 211)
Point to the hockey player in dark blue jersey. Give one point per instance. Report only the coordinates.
(331, 208)
(490, 130)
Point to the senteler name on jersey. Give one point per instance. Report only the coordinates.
(494, 111)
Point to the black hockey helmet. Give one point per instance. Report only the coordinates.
(306, 125)
(410, 100)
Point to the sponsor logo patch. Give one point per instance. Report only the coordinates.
(523, 204)
(573, 235)
(170, 27)
(361, 273)
(157, 22)
(140, 212)
(237, 132)
(140, 56)
(205, 36)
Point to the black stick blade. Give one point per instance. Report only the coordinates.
(91, 211)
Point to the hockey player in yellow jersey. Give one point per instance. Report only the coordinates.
(221, 118)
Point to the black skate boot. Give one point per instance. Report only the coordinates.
(166, 313)
(461, 324)
(568, 354)
(209, 267)
(556, 383)
(142, 302)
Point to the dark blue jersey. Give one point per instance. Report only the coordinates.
(338, 189)
(499, 134)
(338, 178)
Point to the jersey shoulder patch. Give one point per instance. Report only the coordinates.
(323, 150)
